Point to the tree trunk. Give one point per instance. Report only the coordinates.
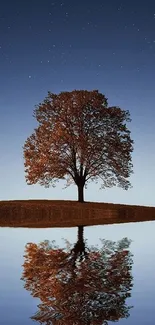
(80, 193)
(80, 234)
(79, 249)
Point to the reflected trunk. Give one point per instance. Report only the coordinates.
(79, 249)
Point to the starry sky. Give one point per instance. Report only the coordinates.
(65, 45)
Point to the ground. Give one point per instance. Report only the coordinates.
(56, 213)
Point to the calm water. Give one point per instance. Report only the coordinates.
(17, 305)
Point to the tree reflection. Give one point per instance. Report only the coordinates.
(79, 285)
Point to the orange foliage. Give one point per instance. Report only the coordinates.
(93, 292)
(79, 138)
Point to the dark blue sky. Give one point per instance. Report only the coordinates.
(66, 45)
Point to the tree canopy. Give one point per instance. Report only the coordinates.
(91, 291)
(80, 139)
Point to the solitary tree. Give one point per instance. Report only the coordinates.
(79, 138)
(90, 292)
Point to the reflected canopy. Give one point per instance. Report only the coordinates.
(78, 284)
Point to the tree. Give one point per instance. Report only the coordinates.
(91, 291)
(80, 139)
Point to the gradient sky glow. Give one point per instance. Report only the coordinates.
(65, 45)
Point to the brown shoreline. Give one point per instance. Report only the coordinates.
(56, 213)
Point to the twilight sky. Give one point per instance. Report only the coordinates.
(66, 45)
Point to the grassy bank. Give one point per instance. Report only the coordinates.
(55, 213)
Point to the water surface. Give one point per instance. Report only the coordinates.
(17, 305)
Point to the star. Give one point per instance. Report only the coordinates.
(119, 8)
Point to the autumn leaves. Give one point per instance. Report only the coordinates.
(80, 139)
